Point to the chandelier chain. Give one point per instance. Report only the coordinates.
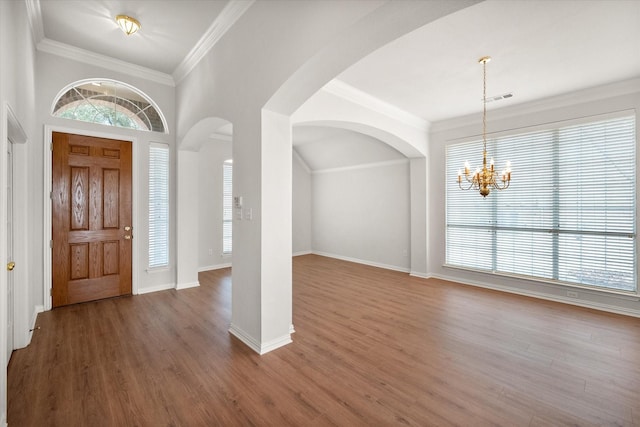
(484, 106)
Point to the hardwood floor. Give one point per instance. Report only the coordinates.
(372, 348)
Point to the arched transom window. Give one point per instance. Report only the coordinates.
(109, 103)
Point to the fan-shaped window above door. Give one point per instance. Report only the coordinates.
(110, 103)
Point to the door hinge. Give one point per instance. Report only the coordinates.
(51, 146)
(50, 292)
(51, 195)
(51, 244)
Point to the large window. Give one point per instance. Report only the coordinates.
(570, 212)
(227, 208)
(158, 205)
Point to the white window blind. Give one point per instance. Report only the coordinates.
(569, 214)
(158, 205)
(227, 206)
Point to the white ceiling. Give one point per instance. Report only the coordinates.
(540, 48)
(169, 29)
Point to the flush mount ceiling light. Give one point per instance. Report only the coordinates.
(486, 178)
(128, 24)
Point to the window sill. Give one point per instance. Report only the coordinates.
(625, 295)
(162, 269)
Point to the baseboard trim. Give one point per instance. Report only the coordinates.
(302, 253)
(156, 288)
(556, 298)
(182, 286)
(365, 262)
(276, 343)
(34, 321)
(420, 275)
(214, 267)
(253, 344)
(245, 338)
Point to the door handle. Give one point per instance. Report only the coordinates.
(127, 237)
(11, 265)
(128, 228)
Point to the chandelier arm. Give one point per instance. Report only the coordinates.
(471, 185)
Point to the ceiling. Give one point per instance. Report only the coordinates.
(169, 29)
(539, 48)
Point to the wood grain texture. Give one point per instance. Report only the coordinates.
(372, 348)
(91, 204)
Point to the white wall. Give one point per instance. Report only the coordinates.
(301, 201)
(53, 74)
(211, 158)
(572, 106)
(17, 94)
(363, 214)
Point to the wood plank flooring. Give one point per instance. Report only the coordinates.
(372, 348)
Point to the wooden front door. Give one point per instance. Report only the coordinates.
(91, 218)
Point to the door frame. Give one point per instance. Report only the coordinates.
(16, 136)
(48, 219)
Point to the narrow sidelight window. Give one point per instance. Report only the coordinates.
(227, 208)
(158, 205)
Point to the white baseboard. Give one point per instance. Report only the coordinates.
(302, 253)
(420, 275)
(156, 288)
(365, 262)
(291, 329)
(181, 286)
(214, 267)
(34, 319)
(541, 295)
(253, 344)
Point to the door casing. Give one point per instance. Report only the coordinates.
(47, 256)
(22, 307)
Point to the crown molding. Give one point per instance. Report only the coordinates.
(596, 93)
(225, 20)
(34, 15)
(343, 90)
(91, 58)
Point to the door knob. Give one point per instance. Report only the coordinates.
(128, 228)
(11, 266)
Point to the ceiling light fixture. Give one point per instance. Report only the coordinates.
(485, 179)
(128, 24)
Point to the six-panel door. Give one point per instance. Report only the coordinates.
(91, 218)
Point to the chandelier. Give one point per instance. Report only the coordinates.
(487, 178)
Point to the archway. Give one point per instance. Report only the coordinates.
(191, 197)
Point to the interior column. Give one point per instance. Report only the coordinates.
(262, 279)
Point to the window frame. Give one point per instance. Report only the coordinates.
(125, 105)
(227, 207)
(451, 175)
(166, 259)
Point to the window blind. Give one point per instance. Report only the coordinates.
(227, 208)
(158, 205)
(569, 214)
